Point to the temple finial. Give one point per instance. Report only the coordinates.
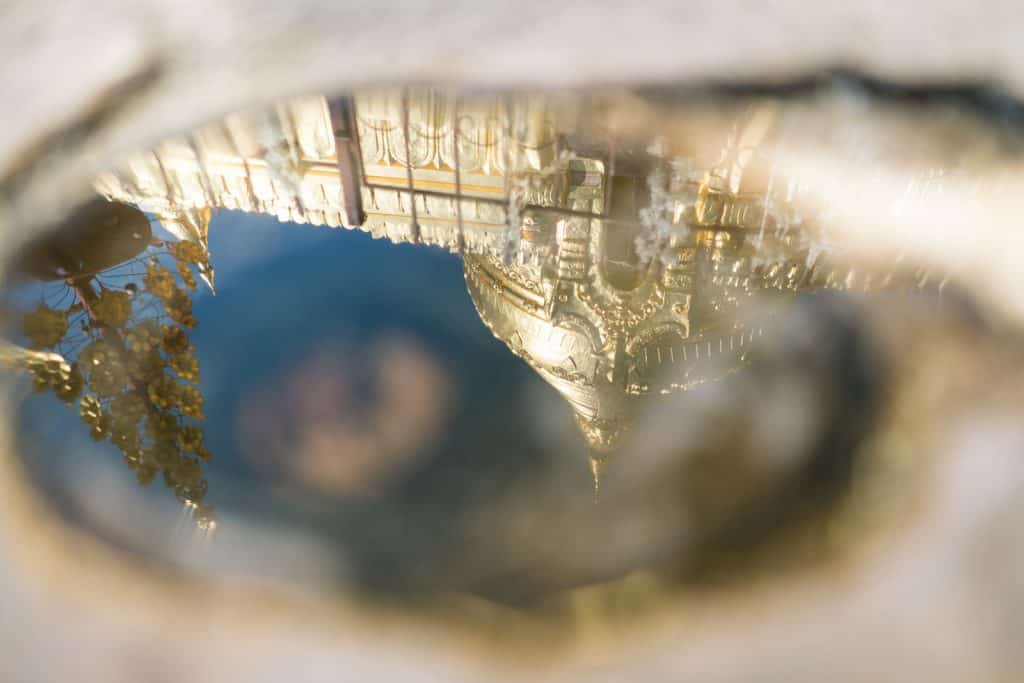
(597, 468)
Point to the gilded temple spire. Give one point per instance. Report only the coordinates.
(598, 465)
(615, 271)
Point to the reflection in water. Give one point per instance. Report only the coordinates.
(297, 428)
(112, 335)
(627, 254)
(615, 260)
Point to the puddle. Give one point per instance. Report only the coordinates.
(425, 342)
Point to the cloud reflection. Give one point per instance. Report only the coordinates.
(347, 421)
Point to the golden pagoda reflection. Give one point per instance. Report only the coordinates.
(614, 260)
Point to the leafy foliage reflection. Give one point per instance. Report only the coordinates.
(116, 342)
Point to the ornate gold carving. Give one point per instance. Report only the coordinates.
(547, 254)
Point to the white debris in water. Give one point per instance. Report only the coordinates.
(519, 189)
(280, 158)
(657, 148)
(656, 223)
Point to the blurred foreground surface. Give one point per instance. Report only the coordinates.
(632, 384)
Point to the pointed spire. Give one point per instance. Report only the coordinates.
(206, 274)
(598, 464)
